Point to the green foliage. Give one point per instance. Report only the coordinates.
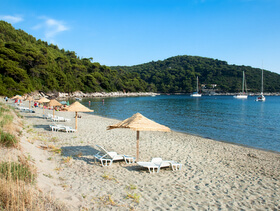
(178, 74)
(16, 171)
(7, 139)
(27, 64)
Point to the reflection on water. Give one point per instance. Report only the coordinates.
(223, 118)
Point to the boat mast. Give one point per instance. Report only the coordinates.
(262, 83)
(243, 83)
(197, 84)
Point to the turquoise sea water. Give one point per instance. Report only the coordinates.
(223, 118)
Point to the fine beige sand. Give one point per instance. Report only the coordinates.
(215, 175)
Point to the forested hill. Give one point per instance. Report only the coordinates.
(28, 64)
(178, 74)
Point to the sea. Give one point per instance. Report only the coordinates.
(222, 118)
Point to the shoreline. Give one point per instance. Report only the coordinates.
(215, 175)
(204, 137)
(81, 95)
(228, 142)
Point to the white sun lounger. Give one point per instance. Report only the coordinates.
(157, 163)
(57, 127)
(106, 158)
(69, 129)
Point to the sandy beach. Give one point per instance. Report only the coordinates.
(215, 175)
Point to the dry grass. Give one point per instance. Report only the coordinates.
(17, 190)
(10, 126)
(18, 195)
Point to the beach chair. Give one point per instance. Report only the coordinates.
(106, 158)
(57, 128)
(69, 129)
(157, 163)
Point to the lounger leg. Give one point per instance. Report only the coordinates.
(158, 169)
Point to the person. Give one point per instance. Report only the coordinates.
(6, 98)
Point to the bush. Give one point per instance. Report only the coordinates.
(7, 139)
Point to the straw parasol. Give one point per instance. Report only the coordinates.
(139, 123)
(17, 97)
(78, 107)
(29, 98)
(54, 103)
(43, 100)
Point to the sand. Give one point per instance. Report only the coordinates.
(215, 175)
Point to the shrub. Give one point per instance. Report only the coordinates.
(7, 139)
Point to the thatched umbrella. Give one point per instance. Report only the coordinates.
(17, 97)
(139, 123)
(43, 100)
(54, 103)
(78, 107)
(29, 98)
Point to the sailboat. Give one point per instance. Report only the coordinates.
(261, 97)
(196, 94)
(242, 95)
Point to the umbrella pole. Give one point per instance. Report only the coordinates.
(76, 119)
(137, 147)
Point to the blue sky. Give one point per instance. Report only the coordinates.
(130, 32)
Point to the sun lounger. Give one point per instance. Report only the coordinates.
(57, 128)
(25, 109)
(106, 158)
(68, 129)
(59, 119)
(47, 116)
(157, 163)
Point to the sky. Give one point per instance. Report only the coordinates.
(131, 32)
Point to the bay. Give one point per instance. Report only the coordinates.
(222, 118)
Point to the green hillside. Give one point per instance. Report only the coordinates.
(178, 74)
(27, 64)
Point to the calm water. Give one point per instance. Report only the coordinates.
(223, 118)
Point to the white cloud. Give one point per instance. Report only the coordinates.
(54, 27)
(51, 28)
(11, 19)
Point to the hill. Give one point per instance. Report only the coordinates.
(27, 64)
(178, 74)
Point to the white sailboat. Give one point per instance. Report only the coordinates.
(261, 97)
(242, 95)
(196, 94)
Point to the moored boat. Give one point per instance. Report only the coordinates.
(242, 95)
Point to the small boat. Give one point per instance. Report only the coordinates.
(79, 99)
(242, 95)
(196, 94)
(261, 97)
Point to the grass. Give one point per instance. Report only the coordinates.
(135, 197)
(17, 190)
(6, 119)
(16, 171)
(131, 187)
(107, 177)
(107, 200)
(67, 159)
(7, 139)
